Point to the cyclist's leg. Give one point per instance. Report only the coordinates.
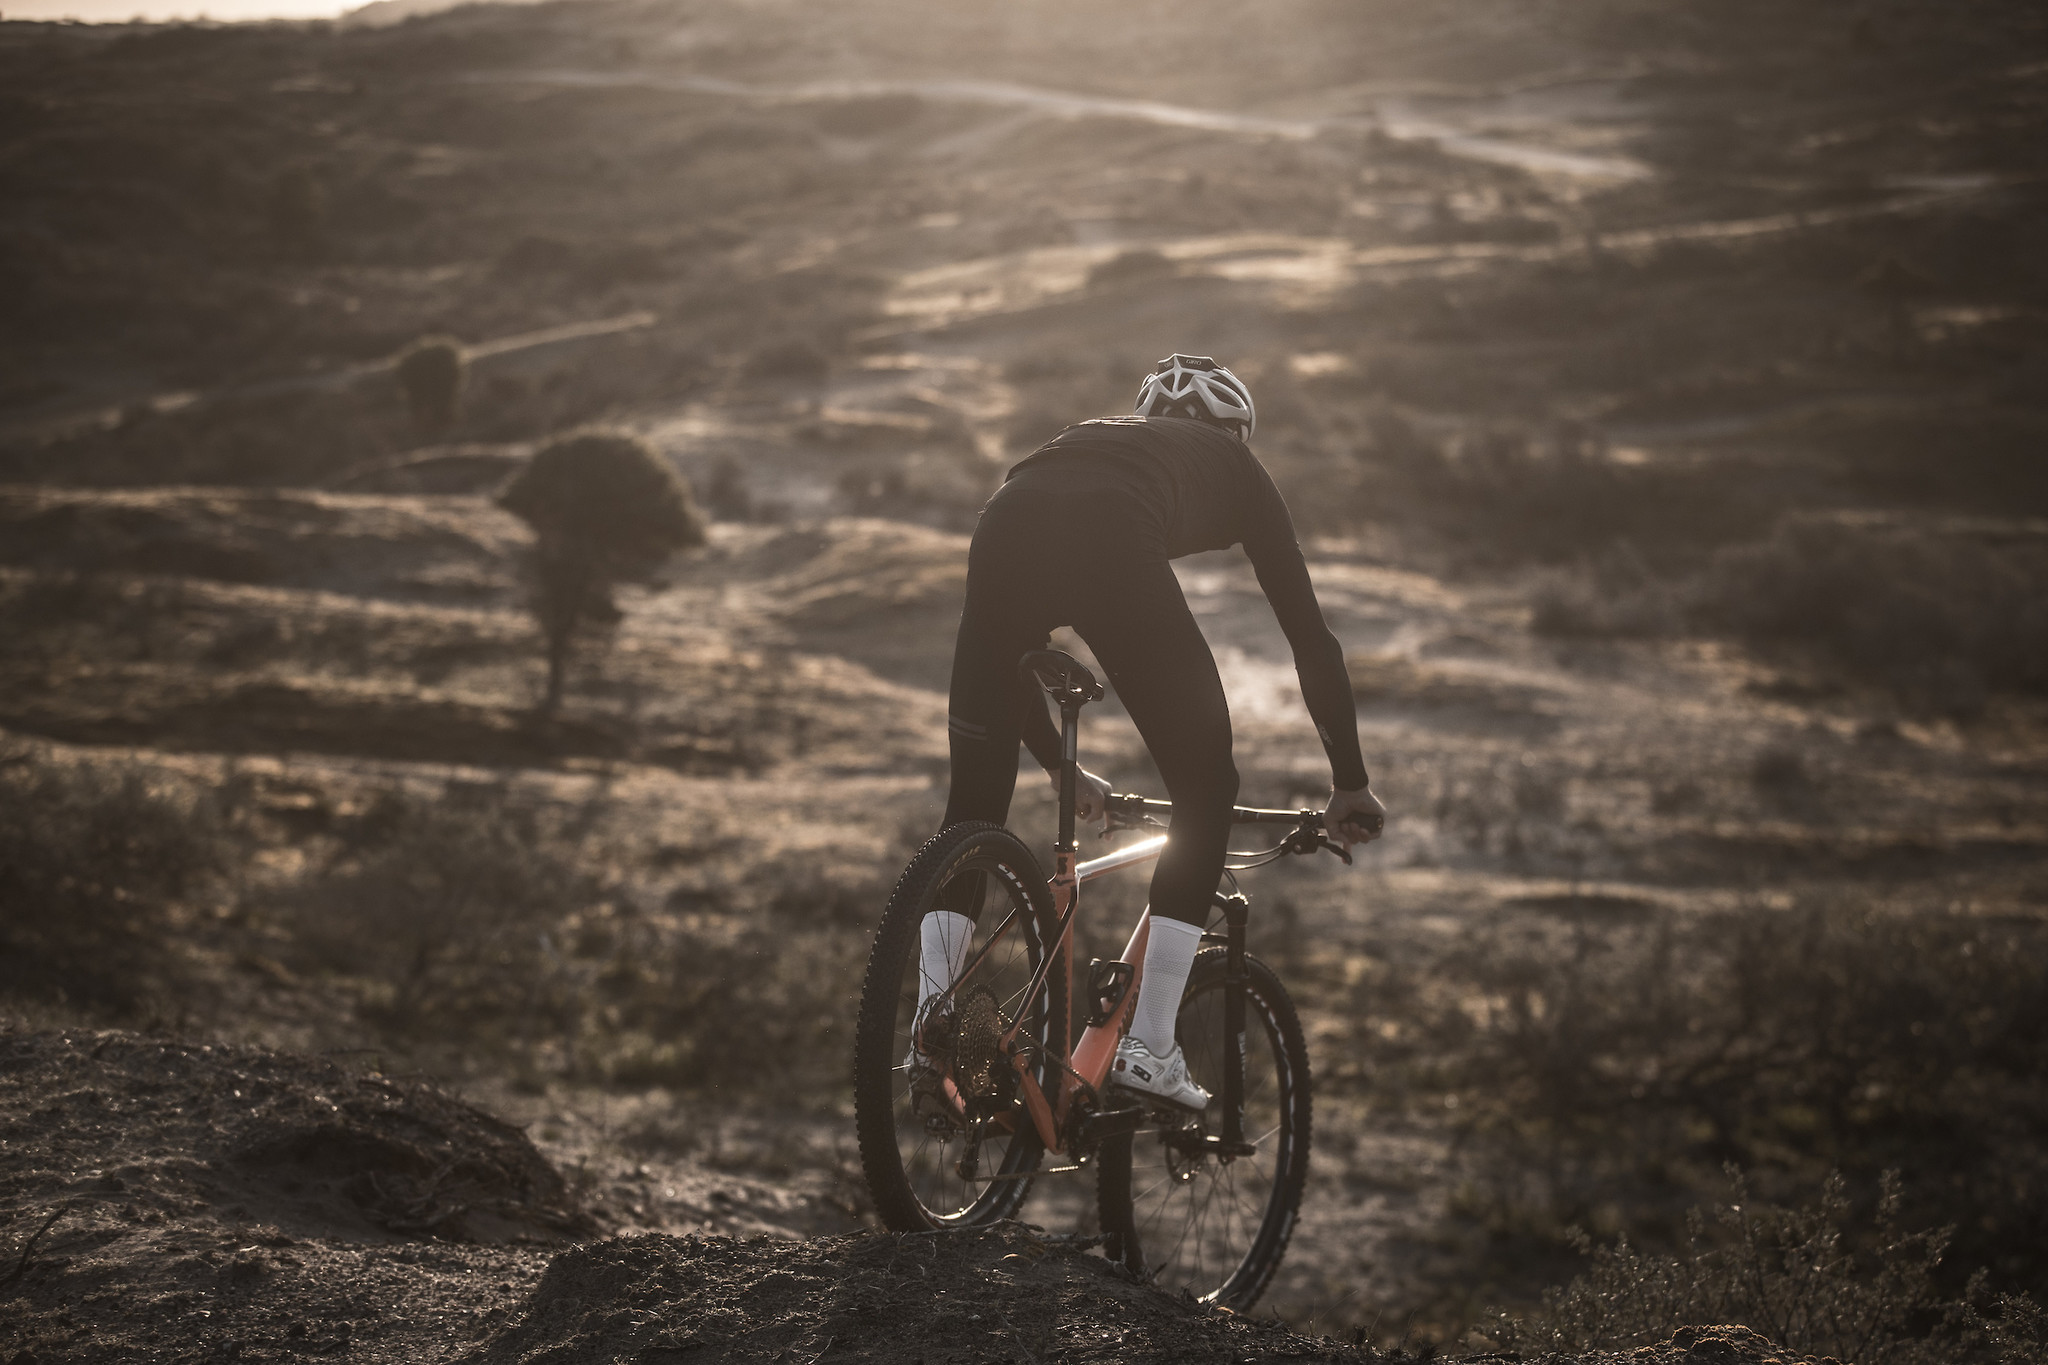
(982, 708)
(1001, 620)
(1147, 641)
(1161, 667)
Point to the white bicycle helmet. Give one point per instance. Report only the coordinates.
(1196, 386)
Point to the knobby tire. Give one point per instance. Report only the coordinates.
(906, 1168)
(1214, 1233)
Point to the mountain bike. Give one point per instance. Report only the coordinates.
(1201, 1202)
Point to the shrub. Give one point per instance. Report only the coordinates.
(430, 373)
(1508, 495)
(443, 907)
(1602, 1071)
(1611, 595)
(1791, 1274)
(605, 509)
(1940, 615)
(485, 920)
(92, 864)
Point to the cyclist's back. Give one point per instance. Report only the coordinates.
(1187, 486)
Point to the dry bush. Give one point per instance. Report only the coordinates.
(755, 1006)
(1508, 496)
(443, 909)
(1941, 617)
(501, 927)
(430, 374)
(1604, 1064)
(1613, 594)
(1793, 1275)
(93, 865)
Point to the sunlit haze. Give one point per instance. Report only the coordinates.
(488, 500)
(145, 11)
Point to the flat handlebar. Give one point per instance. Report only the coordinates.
(1305, 833)
(1125, 806)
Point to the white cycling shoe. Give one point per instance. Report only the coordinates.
(1162, 1078)
(917, 1064)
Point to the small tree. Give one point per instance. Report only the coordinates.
(430, 373)
(605, 509)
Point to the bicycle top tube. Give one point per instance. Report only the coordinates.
(1128, 855)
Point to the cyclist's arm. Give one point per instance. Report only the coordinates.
(1318, 657)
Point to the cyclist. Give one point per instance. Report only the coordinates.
(1081, 534)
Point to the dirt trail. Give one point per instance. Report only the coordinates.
(1395, 120)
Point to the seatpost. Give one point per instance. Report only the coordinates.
(1070, 767)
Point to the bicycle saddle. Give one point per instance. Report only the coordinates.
(1064, 677)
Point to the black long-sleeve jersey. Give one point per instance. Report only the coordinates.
(1187, 486)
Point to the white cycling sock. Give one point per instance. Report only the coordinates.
(943, 941)
(1169, 955)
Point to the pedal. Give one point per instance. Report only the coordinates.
(1108, 984)
(968, 1167)
(1109, 1123)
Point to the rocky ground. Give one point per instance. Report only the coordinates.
(171, 1201)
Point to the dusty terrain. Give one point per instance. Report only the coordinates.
(1659, 396)
(210, 1202)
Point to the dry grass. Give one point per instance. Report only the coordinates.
(1603, 1058)
(97, 866)
(1809, 1278)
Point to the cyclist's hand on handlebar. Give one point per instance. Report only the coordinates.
(1091, 797)
(1354, 817)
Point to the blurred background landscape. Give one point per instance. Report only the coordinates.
(1660, 390)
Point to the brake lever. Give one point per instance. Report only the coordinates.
(1334, 847)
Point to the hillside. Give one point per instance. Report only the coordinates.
(1658, 390)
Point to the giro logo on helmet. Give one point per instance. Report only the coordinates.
(1196, 386)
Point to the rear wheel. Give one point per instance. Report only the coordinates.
(932, 1162)
(1185, 1215)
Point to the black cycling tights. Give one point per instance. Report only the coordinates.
(1042, 559)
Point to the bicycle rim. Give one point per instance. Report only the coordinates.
(1191, 1220)
(912, 1146)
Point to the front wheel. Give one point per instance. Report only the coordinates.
(930, 1163)
(1175, 1208)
